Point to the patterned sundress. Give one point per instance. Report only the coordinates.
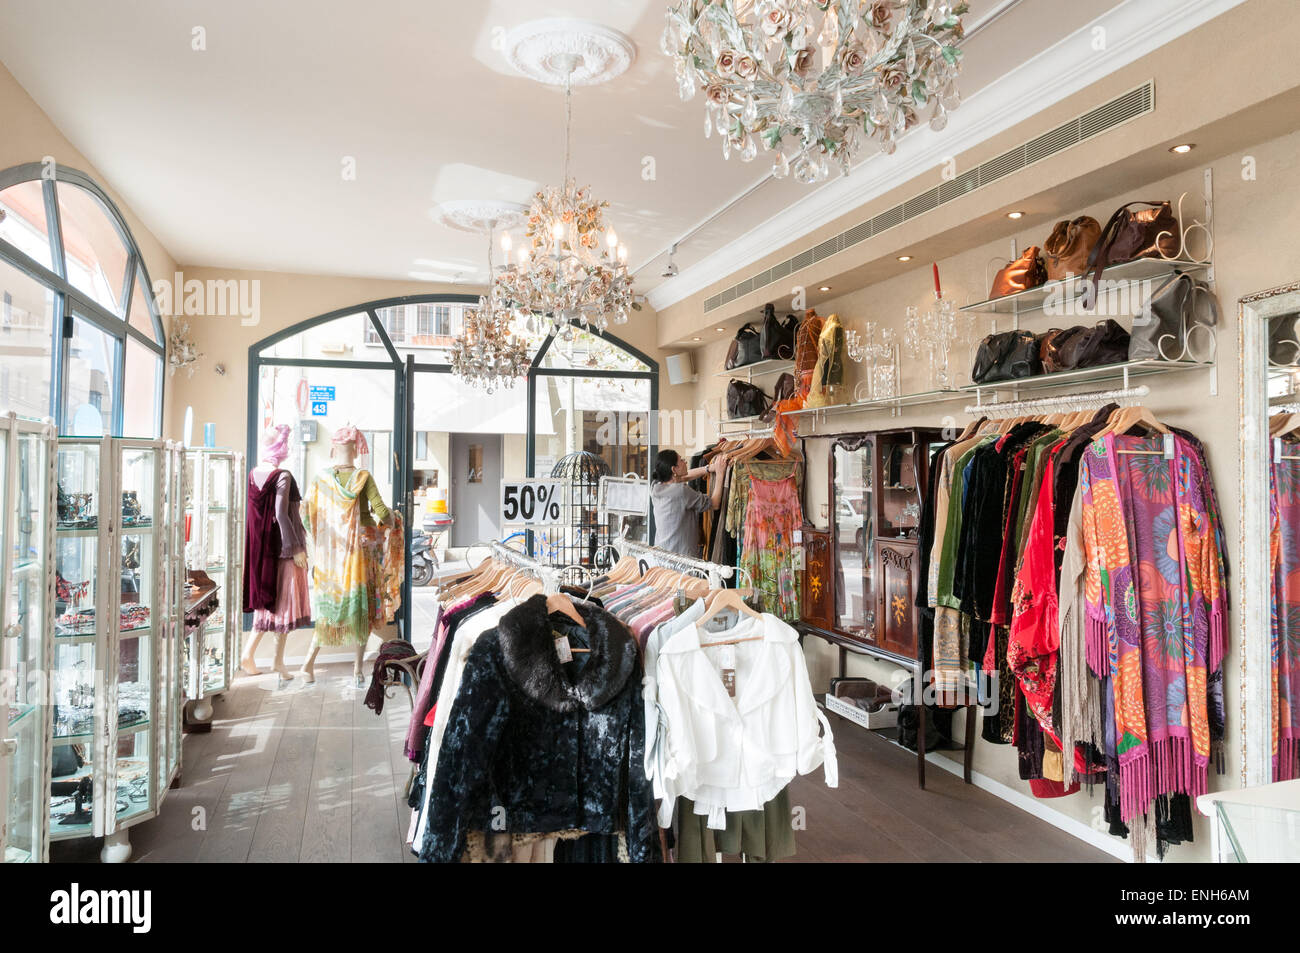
(767, 551)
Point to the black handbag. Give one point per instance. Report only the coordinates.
(784, 390)
(1172, 311)
(777, 340)
(746, 348)
(745, 400)
(1106, 342)
(1006, 356)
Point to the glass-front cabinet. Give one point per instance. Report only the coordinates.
(214, 515)
(172, 658)
(27, 450)
(877, 483)
(853, 505)
(111, 635)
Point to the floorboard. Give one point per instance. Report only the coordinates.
(309, 774)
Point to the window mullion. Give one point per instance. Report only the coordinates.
(54, 225)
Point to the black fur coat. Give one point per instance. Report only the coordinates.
(535, 746)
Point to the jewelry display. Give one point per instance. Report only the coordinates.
(76, 510)
(132, 515)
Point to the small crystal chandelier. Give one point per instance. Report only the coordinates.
(806, 77)
(486, 353)
(570, 267)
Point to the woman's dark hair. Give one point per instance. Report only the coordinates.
(664, 463)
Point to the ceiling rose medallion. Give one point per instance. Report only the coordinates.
(570, 267)
(807, 78)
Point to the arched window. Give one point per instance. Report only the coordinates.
(80, 337)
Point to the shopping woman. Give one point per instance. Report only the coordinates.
(677, 507)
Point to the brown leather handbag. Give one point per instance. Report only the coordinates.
(1150, 232)
(1024, 273)
(1067, 249)
(1053, 346)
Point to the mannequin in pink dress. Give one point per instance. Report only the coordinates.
(292, 605)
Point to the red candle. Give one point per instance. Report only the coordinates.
(937, 293)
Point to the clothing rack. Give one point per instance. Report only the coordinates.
(716, 571)
(748, 434)
(1022, 408)
(549, 575)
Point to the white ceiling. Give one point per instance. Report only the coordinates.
(233, 155)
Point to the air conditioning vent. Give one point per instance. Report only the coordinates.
(1136, 102)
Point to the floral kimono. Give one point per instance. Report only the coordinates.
(1156, 611)
(340, 569)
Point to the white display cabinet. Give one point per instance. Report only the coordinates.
(172, 659)
(214, 512)
(27, 453)
(111, 633)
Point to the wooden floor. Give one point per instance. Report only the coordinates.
(310, 774)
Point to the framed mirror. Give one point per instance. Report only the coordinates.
(1269, 577)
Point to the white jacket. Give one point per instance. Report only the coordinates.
(736, 754)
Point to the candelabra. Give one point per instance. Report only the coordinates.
(932, 337)
(881, 380)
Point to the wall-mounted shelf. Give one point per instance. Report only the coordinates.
(881, 403)
(1099, 375)
(758, 369)
(1066, 291)
(739, 421)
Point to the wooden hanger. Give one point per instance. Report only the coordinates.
(625, 570)
(1281, 424)
(721, 599)
(561, 603)
(971, 429)
(1126, 418)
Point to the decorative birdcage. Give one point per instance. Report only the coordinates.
(577, 543)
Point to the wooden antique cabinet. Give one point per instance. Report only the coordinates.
(876, 482)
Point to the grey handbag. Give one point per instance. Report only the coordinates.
(1163, 328)
(1284, 340)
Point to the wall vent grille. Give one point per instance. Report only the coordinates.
(1136, 102)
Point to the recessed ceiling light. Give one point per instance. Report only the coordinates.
(694, 339)
(1183, 147)
(904, 257)
(1015, 214)
(824, 288)
(719, 329)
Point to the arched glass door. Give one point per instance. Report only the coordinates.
(439, 447)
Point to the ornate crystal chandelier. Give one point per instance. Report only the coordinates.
(487, 353)
(570, 267)
(807, 77)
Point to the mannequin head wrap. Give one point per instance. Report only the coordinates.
(275, 444)
(350, 434)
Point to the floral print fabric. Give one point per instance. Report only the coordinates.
(339, 568)
(767, 553)
(1284, 546)
(1156, 610)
